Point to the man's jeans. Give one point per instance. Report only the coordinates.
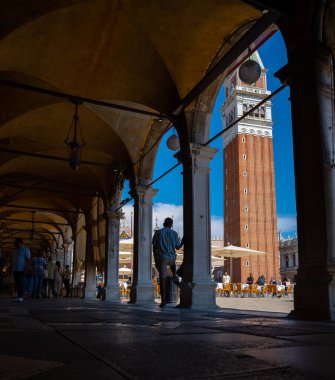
(37, 284)
(20, 280)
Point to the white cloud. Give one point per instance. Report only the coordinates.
(287, 223)
(217, 226)
(165, 210)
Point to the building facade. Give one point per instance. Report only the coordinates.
(289, 259)
(250, 218)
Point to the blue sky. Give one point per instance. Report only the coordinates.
(170, 198)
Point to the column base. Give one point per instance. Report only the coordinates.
(142, 293)
(314, 298)
(332, 299)
(113, 293)
(90, 291)
(203, 296)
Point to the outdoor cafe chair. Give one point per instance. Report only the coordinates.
(219, 289)
(270, 289)
(245, 289)
(289, 290)
(226, 289)
(238, 290)
(280, 290)
(264, 291)
(253, 290)
(232, 289)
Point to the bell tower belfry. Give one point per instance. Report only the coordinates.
(250, 218)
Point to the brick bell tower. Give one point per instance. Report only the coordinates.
(250, 218)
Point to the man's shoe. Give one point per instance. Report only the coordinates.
(18, 299)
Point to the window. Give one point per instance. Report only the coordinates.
(245, 226)
(244, 156)
(246, 208)
(251, 107)
(245, 109)
(244, 174)
(286, 261)
(247, 263)
(262, 112)
(245, 191)
(243, 139)
(247, 245)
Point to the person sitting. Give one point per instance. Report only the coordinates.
(226, 278)
(250, 279)
(261, 280)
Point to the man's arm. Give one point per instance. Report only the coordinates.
(180, 244)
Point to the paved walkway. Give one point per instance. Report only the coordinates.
(76, 339)
(277, 305)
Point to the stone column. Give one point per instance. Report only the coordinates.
(90, 269)
(312, 91)
(197, 228)
(142, 289)
(67, 258)
(112, 255)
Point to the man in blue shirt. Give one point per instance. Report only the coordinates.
(38, 265)
(165, 242)
(20, 265)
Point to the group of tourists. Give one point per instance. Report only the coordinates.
(36, 275)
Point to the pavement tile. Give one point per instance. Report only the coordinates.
(318, 361)
(18, 367)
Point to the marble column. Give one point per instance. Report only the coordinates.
(198, 288)
(112, 255)
(142, 289)
(90, 269)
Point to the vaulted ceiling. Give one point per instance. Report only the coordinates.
(146, 55)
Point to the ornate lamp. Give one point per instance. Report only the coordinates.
(173, 142)
(76, 144)
(249, 71)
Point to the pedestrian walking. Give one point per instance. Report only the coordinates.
(38, 265)
(20, 266)
(66, 280)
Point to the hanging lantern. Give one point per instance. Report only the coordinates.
(250, 71)
(74, 156)
(75, 145)
(173, 142)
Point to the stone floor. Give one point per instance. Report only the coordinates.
(75, 339)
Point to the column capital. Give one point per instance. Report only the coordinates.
(110, 214)
(205, 152)
(146, 194)
(197, 152)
